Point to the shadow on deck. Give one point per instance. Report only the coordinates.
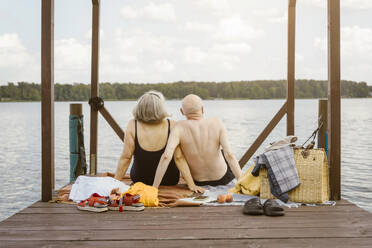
(60, 225)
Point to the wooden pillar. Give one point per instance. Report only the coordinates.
(322, 120)
(291, 66)
(47, 99)
(94, 86)
(334, 98)
(76, 109)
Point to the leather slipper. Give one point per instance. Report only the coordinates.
(253, 207)
(272, 208)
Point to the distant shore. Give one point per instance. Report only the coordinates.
(178, 99)
(237, 90)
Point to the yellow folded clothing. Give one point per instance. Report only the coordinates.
(247, 184)
(149, 194)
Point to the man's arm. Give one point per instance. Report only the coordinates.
(126, 155)
(229, 155)
(165, 159)
(182, 165)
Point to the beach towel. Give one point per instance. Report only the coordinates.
(282, 172)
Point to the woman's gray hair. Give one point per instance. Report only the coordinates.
(150, 107)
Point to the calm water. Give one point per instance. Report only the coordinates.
(20, 145)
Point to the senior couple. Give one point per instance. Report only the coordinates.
(197, 147)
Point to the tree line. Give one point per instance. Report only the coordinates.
(263, 89)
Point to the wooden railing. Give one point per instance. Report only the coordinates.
(263, 135)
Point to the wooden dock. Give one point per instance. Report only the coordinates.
(61, 225)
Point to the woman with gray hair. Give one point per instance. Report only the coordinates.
(145, 140)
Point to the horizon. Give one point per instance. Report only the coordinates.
(182, 81)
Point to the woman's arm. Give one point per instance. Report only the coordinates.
(183, 167)
(128, 149)
(165, 159)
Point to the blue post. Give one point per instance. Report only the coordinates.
(76, 134)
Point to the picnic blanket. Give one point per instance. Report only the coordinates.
(169, 196)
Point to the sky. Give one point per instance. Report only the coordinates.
(149, 41)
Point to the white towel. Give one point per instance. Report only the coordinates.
(84, 186)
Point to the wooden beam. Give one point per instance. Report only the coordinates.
(263, 135)
(322, 120)
(94, 87)
(291, 66)
(334, 98)
(47, 99)
(114, 125)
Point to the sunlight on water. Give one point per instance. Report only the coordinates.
(20, 146)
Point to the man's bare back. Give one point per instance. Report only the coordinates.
(201, 140)
(200, 143)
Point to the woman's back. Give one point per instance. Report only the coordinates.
(150, 140)
(152, 137)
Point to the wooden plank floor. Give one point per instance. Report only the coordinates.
(61, 225)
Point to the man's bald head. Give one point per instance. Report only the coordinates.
(192, 104)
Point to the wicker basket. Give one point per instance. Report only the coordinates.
(313, 173)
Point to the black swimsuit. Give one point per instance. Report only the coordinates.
(145, 164)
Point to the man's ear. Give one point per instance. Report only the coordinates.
(182, 111)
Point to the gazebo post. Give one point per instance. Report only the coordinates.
(94, 87)
(291, 66)
(47, 99)
(334, 98)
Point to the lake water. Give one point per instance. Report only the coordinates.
(20, 142)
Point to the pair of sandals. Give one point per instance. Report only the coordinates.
(97, 203)
(269, 208)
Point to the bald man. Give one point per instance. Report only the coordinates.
(201, 140)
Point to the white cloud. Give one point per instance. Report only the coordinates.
(128, 12)
(320, 43)
(236, 29)
(71, 54)
(317, 3)
(194, 55)
(199, 27)
(12, 51)
(137, 42)
(164, 65)
(164, 12)
(134, 54)
(152, 11)
(228, 62)
(357, 41)
(72, 60)
(347, 4)
(356, 4)
(232, 48)
(271, 15)
(232, 28)
(222, 56)
(17, 63)
(299, 57)
(356, 50)
(216, 7)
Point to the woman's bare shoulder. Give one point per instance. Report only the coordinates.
(172, 123)
(130, 126)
